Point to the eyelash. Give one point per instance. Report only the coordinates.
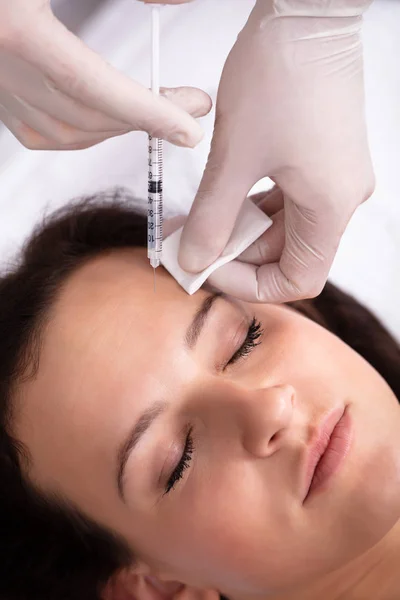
(183, 464)
(253, 334)
(252, 340)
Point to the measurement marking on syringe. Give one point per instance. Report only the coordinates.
(155, 207)
(155, 187)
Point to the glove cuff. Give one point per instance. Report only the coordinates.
(313, 8)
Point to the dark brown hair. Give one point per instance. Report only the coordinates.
(48, 550)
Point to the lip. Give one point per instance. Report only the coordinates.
(327, 451)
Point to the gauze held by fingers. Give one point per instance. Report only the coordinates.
(251, 223)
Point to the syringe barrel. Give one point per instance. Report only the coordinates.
(155, 199)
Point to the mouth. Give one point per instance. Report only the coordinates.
(327, 451)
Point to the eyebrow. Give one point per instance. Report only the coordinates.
(139, 429)
(150, 415)
(195, 328)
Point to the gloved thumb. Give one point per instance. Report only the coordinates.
(223, 189)
(192, 100)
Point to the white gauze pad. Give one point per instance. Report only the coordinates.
(250, 224)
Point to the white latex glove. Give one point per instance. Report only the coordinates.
(57, 94)
(165, 1)
(290, 106)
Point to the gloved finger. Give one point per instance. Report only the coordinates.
(33, 124)
(269, 246)
(77, 121)
(193, 100)
(270, 202)
(165, 1)
(311, 242)
(236, 279)
(223, 189)
(83, 75)
(77, 146)
(37, 131)
(32, 91)
(252, 283)
(25, 84)
(35, 141)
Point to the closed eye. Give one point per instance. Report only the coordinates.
(252, 340)
(183, 464)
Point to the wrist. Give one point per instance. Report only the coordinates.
(312, 8)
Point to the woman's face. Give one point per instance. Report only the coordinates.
(136, 388)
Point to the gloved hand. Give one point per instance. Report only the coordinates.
(290, 106)
(57, 94)
(165, 1)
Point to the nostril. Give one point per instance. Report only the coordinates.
(274, 438)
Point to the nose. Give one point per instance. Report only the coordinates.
(266, 416)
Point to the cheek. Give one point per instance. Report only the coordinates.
(317, 363)
(298, 352)
(223, 530)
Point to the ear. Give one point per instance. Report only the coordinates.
(127, 585)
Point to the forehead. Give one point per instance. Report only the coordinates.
(121, 278)
(107, 317)
(96, 355)
(112, 298)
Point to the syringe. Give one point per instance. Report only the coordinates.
(155, 179)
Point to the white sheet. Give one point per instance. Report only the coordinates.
(195, 41)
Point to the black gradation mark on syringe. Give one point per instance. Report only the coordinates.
(155, 187)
